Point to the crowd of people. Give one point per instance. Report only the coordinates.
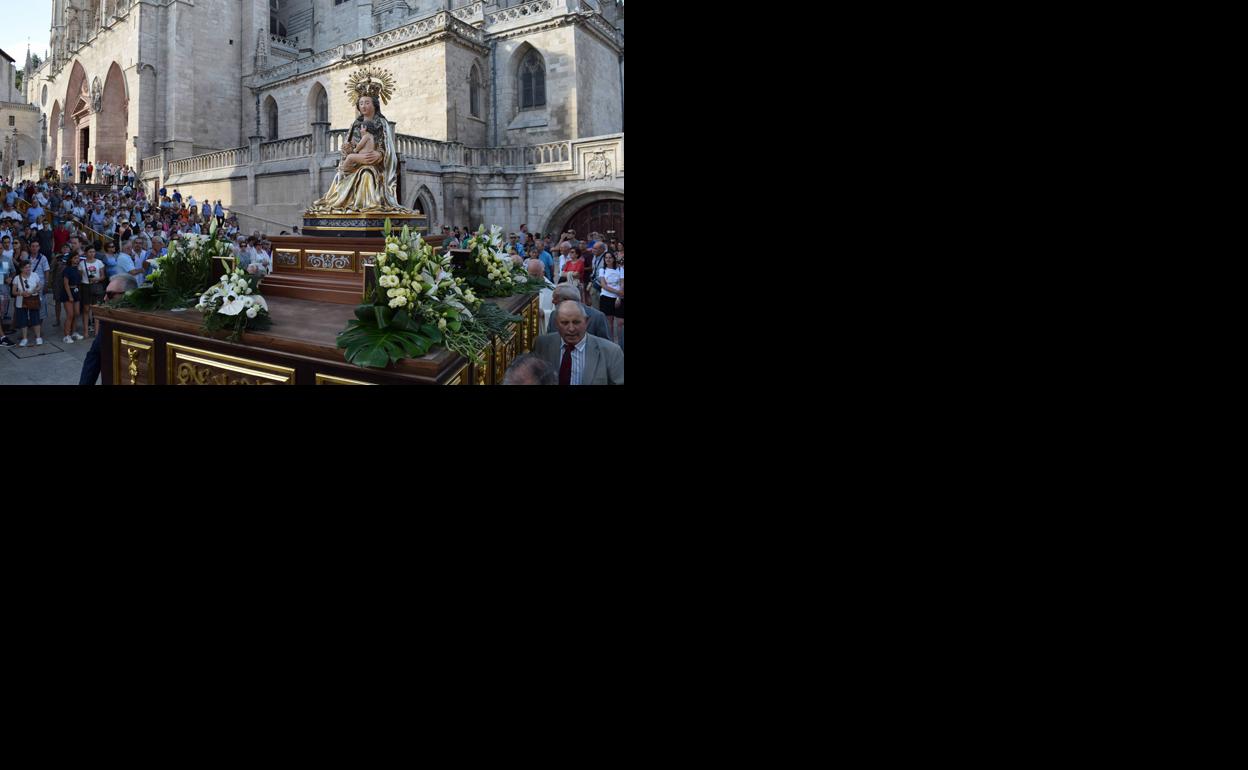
(57, 258)
(105, 173)
(72, 248)
(591, 271)
(582, 307)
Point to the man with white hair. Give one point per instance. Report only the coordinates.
(537, 272)
(597, 324)
(578, 356)
(529, 370)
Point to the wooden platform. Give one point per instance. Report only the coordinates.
(323, 269)
(167, 347)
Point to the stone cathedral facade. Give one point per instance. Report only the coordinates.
(508, 111)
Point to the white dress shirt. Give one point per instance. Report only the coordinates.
(578, 359)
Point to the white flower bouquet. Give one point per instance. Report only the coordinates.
(416, 304)
(490, 270)
(234, 303)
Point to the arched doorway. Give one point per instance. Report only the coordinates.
(112, 121)
(423, 203)
(75, 103)
(606, 217)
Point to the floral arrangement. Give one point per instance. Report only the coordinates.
(492, 271)
(234, 303)
(181, 276)
(416, 304)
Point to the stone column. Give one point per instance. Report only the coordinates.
(166, 155)
(254, 143)
(320, 148)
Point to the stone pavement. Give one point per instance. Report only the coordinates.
(52, 363)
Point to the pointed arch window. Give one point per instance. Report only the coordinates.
(271, 111)
(322, 106)
(532, 81)
(474, 91)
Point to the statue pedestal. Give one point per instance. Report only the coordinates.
(361, 225)
(324, 269)
(163, 347)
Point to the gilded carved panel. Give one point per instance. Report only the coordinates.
(132, 359)
(287, 258)
(192, 366)
(335, 261)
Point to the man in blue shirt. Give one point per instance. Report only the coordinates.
(177, 197)
(219, 213)
(34, 213)
(548, 261)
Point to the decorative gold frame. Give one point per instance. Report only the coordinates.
(352, 257)
(175, 354)
(458, 379)
(329, 379)
(133, 342)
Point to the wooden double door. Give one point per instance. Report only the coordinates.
(606, 217)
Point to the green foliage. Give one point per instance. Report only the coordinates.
(181, 277)
(494, 320)
(379, 336)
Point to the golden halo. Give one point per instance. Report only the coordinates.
(370, 81)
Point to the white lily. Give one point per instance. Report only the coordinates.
(233, 306)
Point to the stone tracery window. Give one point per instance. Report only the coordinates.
(271, 110)
(532, 81)
(474, 91)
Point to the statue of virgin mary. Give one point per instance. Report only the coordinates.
(367, 176)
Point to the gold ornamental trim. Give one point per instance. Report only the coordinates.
(350, 255)
(329, 379)
(458, 379)
(184, 365)
(347, 227)
(132, 343)
(369, 215)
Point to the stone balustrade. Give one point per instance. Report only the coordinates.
(548, 157)
(526, 11)
(334, 140)
(471, 14)
(238, 156)
(416, 147)
(285, 149)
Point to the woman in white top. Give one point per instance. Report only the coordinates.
(262, 259)
(39, 269)
(611, 303)
(27, 290)
(94, 272)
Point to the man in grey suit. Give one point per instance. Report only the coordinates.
(597, 324)
(580, 358)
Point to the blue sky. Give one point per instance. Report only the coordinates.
(22, 19)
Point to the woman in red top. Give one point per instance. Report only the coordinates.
(60, 235)
(573, 268)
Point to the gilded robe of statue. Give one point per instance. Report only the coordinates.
(365, 189)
